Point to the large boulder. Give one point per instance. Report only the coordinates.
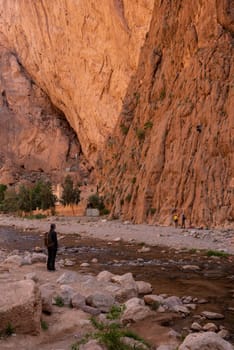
(101, 301)
(135, 311)
(20, 307)
(205, 341)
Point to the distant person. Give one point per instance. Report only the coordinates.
(183, 219)
(51, 243)
(175, 219)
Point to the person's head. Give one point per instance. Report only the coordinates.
(52, 226)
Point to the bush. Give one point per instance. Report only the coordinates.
(59, 301)
(97, 202)
(217, 253)
(110, 334)
(44, 325)
(148, 125)
(140, 134)
(36, 216)
(124, 129)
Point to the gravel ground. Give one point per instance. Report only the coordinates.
(177, 238)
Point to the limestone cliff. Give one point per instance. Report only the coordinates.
(173, 145)
(165, 112)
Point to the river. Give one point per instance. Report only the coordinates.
(162, 267)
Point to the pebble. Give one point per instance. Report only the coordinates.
(212, 315)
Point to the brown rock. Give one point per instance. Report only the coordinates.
(20, 307)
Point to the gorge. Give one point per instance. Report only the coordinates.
(138, 96)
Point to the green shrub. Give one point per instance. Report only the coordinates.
(115, 312)
(9, 330)
(110, 334)
(155, 305)
(217, 253)
(148, 125)
(193, 251)
(44, 325)
(95, 201)
(162, 94)
(59, 301)
(140, 134)
(124, 129)
(36, 216)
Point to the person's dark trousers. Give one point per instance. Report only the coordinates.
(51, 258)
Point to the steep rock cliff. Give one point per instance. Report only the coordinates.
(82, 55)
(173, 146)
(35, 139)
(169, 128)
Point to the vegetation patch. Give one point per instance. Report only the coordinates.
(59, 301)
(124, 129)
(111, 334)
(148, 125)
(44, 325)
(36, 216)
(8, 331)
(140, 134)
(217, 253)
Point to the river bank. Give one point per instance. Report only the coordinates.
(165, 257)
(177, 238)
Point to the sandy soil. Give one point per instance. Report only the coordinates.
(177, 238)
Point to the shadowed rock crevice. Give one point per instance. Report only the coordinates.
(36, 139)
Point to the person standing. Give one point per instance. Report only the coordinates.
(52, 246)
(183, 219)
(175, 219)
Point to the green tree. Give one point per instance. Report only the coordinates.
(10, 202)
(3, 189)
(25, 199)
(70, 193)
(95, 201)
(42, 196)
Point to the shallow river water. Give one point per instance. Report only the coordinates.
(162, 267)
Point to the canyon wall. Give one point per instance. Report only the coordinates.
(173, 146)
(36, 141)
(147, 87)
(81, 54)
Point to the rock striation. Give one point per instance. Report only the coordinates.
(172, 148)
(155, 123)
(81, 54)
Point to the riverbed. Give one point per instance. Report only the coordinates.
(161, 266)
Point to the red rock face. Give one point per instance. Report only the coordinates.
(167, 116)
(173, 145)
(35, 139)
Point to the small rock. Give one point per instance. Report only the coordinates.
(84, 265)
(191, 268)
(212, 315)
(144, 250)
(196, 327)
(68, 262)
(210, 327)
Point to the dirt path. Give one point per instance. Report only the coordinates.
(151, 235)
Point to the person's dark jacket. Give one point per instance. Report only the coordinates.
(53, 238)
